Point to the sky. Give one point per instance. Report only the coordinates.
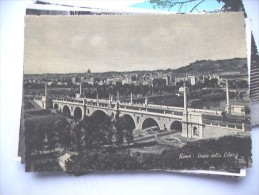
(208, 5)
(68, 44)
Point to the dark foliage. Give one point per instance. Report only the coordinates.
(46, 133)
(226, 152)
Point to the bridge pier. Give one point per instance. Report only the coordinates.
(190, 123)
(192, 126)
(72, 112)
(138, 125)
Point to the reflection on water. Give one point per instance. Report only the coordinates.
(215, 104)
(221, 104)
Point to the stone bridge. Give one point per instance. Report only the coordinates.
(188, 121)
(142, 116)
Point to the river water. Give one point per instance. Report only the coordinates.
(221, 104)
(214, 105)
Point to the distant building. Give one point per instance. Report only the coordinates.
(144, 79)
(75, 80)
(166, 78)
(93, 80)
(192, 80)
(201, 79)
(213, 77)
(179, 79)
(237, 110)
(171, 78)
(49, 83)
(88, 71)
(134, 77)
(159, 82)
(126, 80)
(181, 90)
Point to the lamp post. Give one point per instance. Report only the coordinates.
(46, 90)
(45, 98)
(185, 107)
(228, 107)
(118, 96)
(80, 89)
(97, 99)
(227, 97)
(184, 98)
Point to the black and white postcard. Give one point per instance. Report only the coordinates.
(136, 92)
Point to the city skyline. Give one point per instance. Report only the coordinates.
(60, 44)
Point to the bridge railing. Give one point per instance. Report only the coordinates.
(214, 112)
(170, 115)
(37, 98)
(68, 101)
(165, 107)
(89, 101)
(240, 127)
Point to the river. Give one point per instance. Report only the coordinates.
(215, 104)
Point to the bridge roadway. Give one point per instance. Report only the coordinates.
(138, 112)
(136, 106)
(208, 115)
(142, 116)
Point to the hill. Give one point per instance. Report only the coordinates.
(206, 67)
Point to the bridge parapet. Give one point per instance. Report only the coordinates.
(204, 111)
(68, 102)
(191, 121)
(89, 102)
(141, 108)
(211, 130)
(179, 117)
(165, 107)
(230, 127)
(37, 98)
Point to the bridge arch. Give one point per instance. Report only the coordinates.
(131, 124)
(78, 113)
(66, 110)
(55, 106)
(176, 125)
(149, 122)
(100, 114)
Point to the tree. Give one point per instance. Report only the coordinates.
(223, 114)
(63, 132)
(169, 4)
(52, 137)
(127, 129)
(129, 135)
(79, 135)
(118, 130)
(65, 138)
(213, 82)
(101, 129)
(30, 138)
(229, 5)
(232, 5)
(91, 132)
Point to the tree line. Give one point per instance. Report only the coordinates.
(47, 133)
(228, 152)
(100, 130)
